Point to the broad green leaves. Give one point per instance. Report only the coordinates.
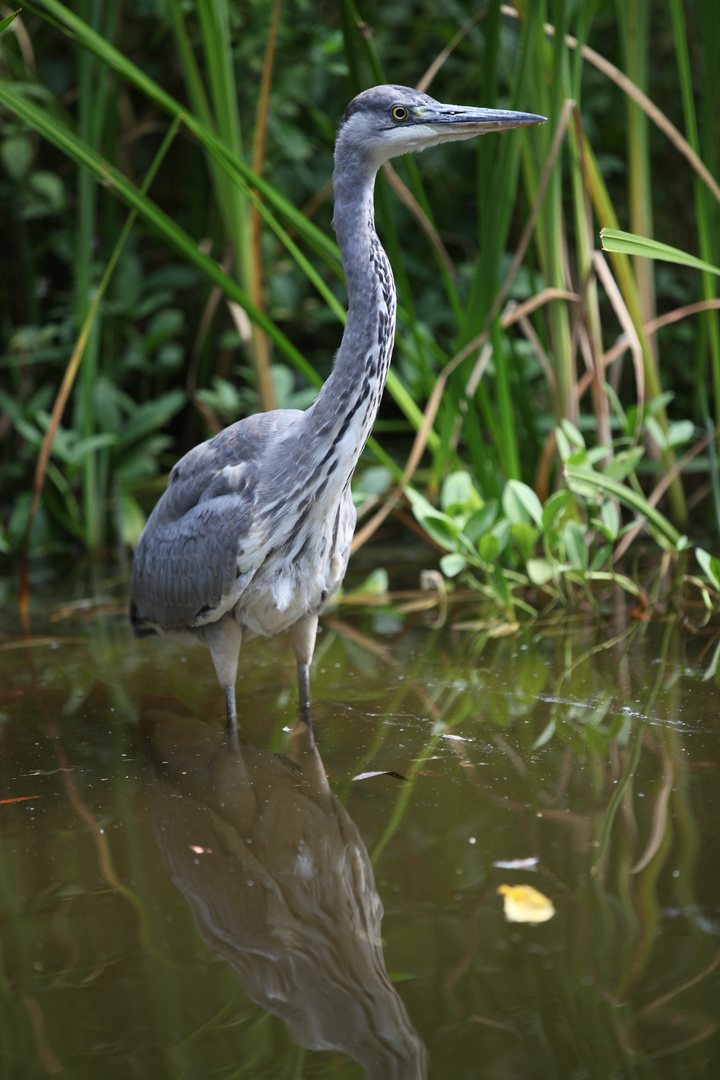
(504, 550)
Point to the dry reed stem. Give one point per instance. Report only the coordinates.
(18, 28)
(622, 345)
(406, 196)
(266, 388)
(528, 330)
(526, 308)
(206, 319)
(45, 450)
(442, 56)
(619, 307)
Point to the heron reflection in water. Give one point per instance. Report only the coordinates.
(253, 533)
(284, 890)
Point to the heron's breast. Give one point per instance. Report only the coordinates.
(302, 572)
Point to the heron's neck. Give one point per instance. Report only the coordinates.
(345, 409)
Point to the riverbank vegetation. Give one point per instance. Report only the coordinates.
(169, 267)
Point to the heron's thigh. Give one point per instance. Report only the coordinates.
(224, 639)
(302, 635)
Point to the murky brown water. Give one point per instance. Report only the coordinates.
(173, 907)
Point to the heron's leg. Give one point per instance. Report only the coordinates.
(231, 724)
(224, 639)
(302, 635)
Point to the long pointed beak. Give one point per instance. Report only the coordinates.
(468, 121)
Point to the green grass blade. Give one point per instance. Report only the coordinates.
(4, 23)
(615, 240)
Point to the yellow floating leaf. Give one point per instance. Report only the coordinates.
(522, 903)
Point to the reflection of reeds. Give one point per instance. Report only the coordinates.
(102, 847)
(621, 993)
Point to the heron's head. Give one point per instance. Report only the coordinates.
(386, 121)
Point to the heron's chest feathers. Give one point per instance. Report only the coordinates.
(301, 571)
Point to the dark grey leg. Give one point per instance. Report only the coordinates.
(231, 724)
(303, 674)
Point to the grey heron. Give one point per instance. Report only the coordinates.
(252, 535)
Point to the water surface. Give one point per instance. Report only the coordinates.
(172, 906)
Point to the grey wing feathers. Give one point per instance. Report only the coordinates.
(185, 562)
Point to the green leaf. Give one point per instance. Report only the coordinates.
(680, 432)
(595, 455)
(601, 556)
(456, 490)
(375, 584)
(375, 480)
(573, 434)
(223, 397)
(525, 537)
(656, 432)
(43, 195)
(554, 505)
(630, 244)
(152, 415)
(84, 155)
(4, 23)
(575, 546)
(481, 521)
(660, 402)
(166, 323)
(610, 518)
(170, 356)
(500, 587)
(521, 504)
(132, 520)
(489, 547)
(16, 155)
(437, 525)
(562, 442)
(540, 571)
(624, 463)
(452, 564)
(710, 566)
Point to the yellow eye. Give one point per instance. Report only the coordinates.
(399, 112)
